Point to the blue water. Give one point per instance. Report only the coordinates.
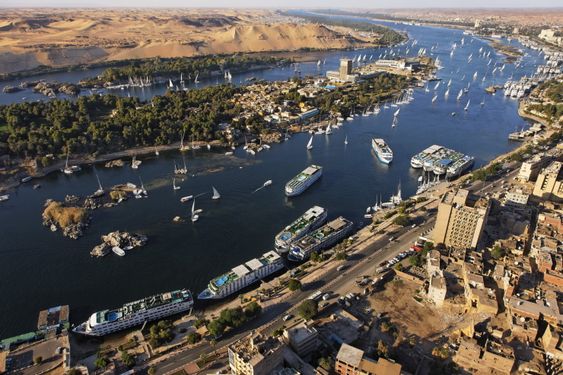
(40, 269)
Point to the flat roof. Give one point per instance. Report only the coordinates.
(254, 264)
(350, 355)
(241, 270)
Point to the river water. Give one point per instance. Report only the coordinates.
(40, 269)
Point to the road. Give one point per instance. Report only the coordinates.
(361, 262)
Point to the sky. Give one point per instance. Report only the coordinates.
(287, 3)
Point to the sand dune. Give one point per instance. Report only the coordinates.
(29, 38)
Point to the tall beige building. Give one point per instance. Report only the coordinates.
(548, 184)
(345, 68)
(461, 219)
(256, 355)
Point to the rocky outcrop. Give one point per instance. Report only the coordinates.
(114, 163)
(123, 240)
(71, 219)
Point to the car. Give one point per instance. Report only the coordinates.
(287, 317)
(382, 263)
(326, 296)
(341, 267)
(413, 226)
(391, 239)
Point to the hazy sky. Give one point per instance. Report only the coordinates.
(284, 3)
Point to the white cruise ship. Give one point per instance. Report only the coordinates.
(136, 313)
(303, 180)
(320, 239)
(310, 220)
(242, 276)
(382, 150)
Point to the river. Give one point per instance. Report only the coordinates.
(40, 269)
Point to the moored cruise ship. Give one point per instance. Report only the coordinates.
(310, 220)
(382, 150)
(303, 180)
(460, 166)
(320, 239)
(418, 160)
(242, 276)
(441, 160)
(136, 313)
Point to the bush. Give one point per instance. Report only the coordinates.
(38, 360)
(294, 285)
(308, 309)
(193, 338)
(277, 332)
(315, 257)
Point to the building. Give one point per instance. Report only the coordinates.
(53, 319)
(549, 185)
(482, 360)
(461, 220)
(351, 361)
(302, 339)
(256, 354)
(344, 73)
(433, 262)
(516, 198)
(530, 168)
(550, 36)
(437, 288)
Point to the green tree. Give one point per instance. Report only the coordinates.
(308, 309)
(101, 362)
(127, 359)
(294, 284)
(151, 370)
(401, 220)
(326, 363)
(497, 252)
(315, 257)
(38, 360)
(216, 328)
(340, 255)
(252, 309)
(193, 338)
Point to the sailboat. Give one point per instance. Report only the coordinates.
(397, 112)
(170, 84)
(174, 187)
(426, 89)
(434, 98)
(135, 163)
(156, 151)
(395, 122)
(447, 93)
(216, 194)
(482, 102)
(67, 169)
(437, 85)
(460, 94)
(450, 82)
(182, 146)
(467, 105)
(319, 63)
(346, 140)
(100, 190)
(195, 216)
(310, 143)
(328, 130)
(196, 80)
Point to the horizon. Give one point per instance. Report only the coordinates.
(278, 4)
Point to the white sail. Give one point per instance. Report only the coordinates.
(216, 194)
(434, 98)
(397, 112)
(346, 140)
(467, 105)
(310, 144)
